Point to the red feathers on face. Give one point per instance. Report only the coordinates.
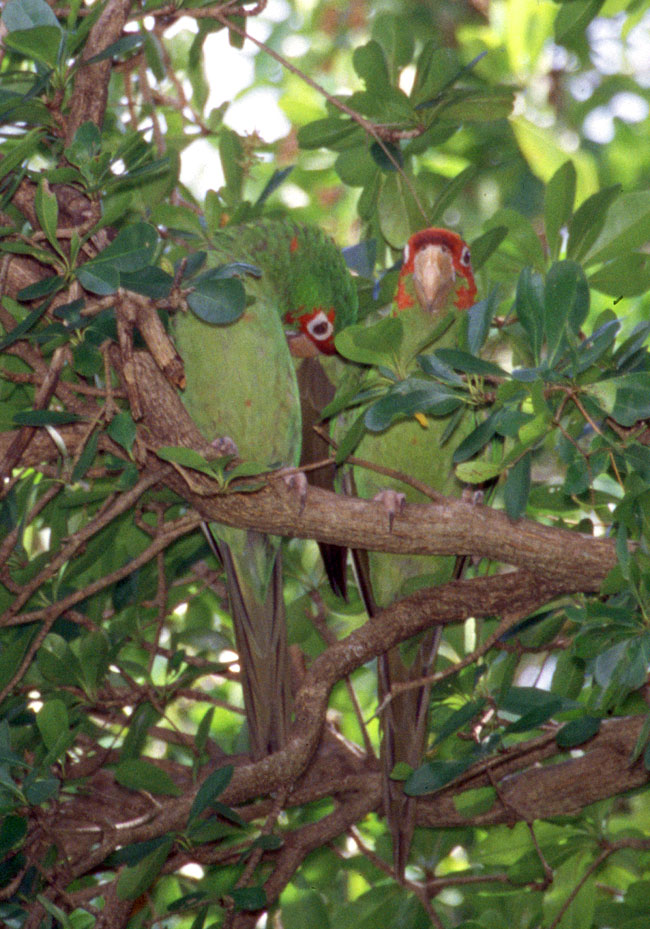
(447, 246)
(317, 326)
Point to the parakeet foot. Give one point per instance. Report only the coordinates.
(472, 496)
(393, 502)
(223, 446)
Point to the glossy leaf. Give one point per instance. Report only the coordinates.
(588, 221)
(517, 487)
(138, 774)
(376, 344)
(28, 14)
(44, 418)
(135, 880)
(211, 788)
(558, 205)
(53, 722)
(408, 398)
(578, 731)
(218, 301)
(530, 308)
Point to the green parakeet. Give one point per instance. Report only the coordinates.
(436, 277)
(241, 383)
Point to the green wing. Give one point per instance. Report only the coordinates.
(241, 382)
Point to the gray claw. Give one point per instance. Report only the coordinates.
(472, 496)
(393, 503)
(224, 445)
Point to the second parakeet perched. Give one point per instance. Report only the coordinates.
(241, 383)
(436, 278)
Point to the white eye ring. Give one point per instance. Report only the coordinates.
(407, 253)
(320, 328)
(465, 257)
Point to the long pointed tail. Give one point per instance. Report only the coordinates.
(261, 639)
(316, 391)
(404, 721)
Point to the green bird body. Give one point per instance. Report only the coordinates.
(241, 383)
(440, 282)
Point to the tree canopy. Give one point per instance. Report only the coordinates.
(126, 791)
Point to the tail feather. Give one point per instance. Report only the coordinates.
(404, 720)
(316, 391)
(261, 641)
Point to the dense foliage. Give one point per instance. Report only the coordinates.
(126, 794)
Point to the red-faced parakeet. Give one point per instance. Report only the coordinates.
(241, 383)
(436, 278)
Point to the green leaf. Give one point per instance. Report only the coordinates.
(626, 398)
(42, 43)
(437, 69)
(371, 345)
(522, 245)
(46, 287)
(486, 245)
(211, 788)
(572, 20)
(486, 104)
(133, 881)
(558, 205)
(450, 191)
(28, 14)
(588, 221)
(44, 418)
(472, 803)
(232, 157)
(578, 731)
(332, 132)
(21, 151)
(469, 364)
(151, 282)
(186, 457)
(627, 276)
(52, 721)
(47, 212)
(370, 64)
(132, 250)
(627, 227)
(476, 440)
(12, 831)
(397, 209)
(218, 301)
(530, 308)
(434, 775)
(127, 43)
(21, 328)
(458, 719)
(517, 487)
(122, 430)
(409, 397)
(566, 304)
(248, 898)
(138, 774)
(477, 472)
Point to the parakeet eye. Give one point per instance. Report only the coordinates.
(320, 327)
(465, 257)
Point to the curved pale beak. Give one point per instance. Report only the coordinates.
(433, 277)
(300, 346)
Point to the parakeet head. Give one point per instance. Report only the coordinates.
(433, 260)
(322, 295)
(303, 275)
